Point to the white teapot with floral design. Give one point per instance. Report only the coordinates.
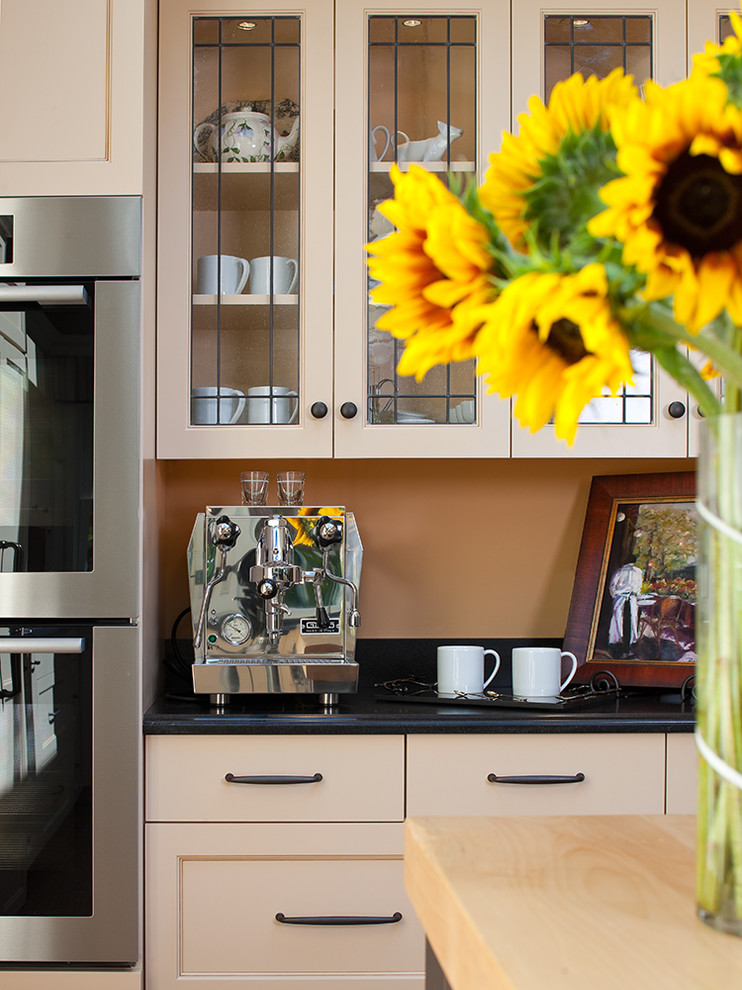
(244, 136)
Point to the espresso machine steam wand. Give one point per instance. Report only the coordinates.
(225, 537)
(326, 533)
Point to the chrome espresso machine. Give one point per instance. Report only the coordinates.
(274, 601)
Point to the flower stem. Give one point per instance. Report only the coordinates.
(719, 675)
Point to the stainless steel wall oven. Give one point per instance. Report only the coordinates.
(69, 564)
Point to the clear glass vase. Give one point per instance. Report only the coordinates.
(719, 674)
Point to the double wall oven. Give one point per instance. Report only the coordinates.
(69, 565)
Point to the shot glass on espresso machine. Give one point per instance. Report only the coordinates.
(290, 487)
(254, 487)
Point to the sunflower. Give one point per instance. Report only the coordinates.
(714, 58)
(434, 268)
(561, 154)
(677, 210)
(552, 340)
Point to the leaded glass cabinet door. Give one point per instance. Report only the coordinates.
(414, 84)
(245, 238)
(651, 418)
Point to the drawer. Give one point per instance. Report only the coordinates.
(682, 774)
(362, 778)
(623, 773)
(213, 893)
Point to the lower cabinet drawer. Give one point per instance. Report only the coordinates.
(214, 892)
(351, 778)
(612, 773)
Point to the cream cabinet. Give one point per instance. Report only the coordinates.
(72, 81)
(277, 861)
(286, 359)
(432, 82)
(555, 774)
(273, 368)
(237, 861)
(682, 774)
(246, 173)
(652, 417)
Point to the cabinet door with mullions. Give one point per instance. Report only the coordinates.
(649, 418)
(245, 275)
(433, 91)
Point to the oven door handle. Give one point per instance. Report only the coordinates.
(49, 644)
(44, 295)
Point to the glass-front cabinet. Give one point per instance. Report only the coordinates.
(279, 127)
(430, 88)
(245, 239)
(651, 417)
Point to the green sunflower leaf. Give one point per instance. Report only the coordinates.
(566, 194)
(730, 72)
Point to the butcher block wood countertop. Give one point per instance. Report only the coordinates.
(585, 903)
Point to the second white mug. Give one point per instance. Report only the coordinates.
(285, 275)
(537, 671)
(461, 670)
(272, 405)
(230, 270)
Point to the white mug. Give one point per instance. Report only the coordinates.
(234, 272)
(373, 154)
(285, 404)
(461, 670)
(537, 671)
(204, 405)
(285, 275)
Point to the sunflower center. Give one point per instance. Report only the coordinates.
(565, 340)
(699, 205)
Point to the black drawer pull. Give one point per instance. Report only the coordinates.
(340, 919)
(537, 778)
(272, 779)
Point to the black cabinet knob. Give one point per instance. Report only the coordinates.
(676, 410)
(348, 410)
(318, 410)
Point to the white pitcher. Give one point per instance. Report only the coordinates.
(429, 149)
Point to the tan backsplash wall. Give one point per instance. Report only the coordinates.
(451, 547)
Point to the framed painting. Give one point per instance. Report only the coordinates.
(634, 596)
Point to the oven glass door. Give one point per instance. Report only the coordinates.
(46, 779)
(67, 733)
(46, 428)
(69, 440)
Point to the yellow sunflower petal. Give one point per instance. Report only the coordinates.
(687, 254)
(575, 105)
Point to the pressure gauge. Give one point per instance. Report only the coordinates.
(236, 629)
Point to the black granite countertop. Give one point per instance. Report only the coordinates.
(376, 710)
(367, 712)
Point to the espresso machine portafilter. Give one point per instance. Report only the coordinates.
(274, 600)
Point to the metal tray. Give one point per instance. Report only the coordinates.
(564, 703)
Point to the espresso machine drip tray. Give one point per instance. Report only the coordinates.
(253, 676)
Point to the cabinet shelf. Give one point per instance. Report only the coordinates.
(248, 299)
(245, 187)
(245, 168)
(428, 166)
